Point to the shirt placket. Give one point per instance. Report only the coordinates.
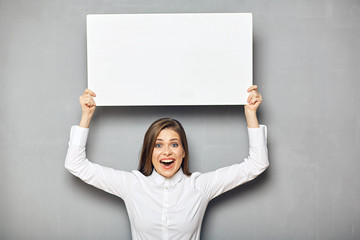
(165, 218)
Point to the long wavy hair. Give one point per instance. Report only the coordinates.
(145, 164)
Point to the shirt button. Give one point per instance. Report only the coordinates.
(166, 187)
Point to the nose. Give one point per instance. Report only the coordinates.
(167, 151)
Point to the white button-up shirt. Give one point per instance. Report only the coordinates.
(161, 208)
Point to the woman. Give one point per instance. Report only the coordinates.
(163, 199)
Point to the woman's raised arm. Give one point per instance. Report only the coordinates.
(219, 181)
(113, 181)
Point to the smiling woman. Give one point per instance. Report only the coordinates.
(168, 153)
(163, 199)
(165, 148)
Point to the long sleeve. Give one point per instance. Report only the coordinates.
(224, 179)
(116, 182)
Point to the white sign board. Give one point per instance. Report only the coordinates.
(169, 59)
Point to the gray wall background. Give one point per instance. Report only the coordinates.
(306, 63)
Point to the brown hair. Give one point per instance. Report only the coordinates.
(145, 164)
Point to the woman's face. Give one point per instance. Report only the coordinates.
(168, 153)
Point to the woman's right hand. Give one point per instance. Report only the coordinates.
(88, 107)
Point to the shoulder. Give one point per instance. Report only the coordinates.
(194, 175)
(193, 179)
(141, 178)
(137, 174)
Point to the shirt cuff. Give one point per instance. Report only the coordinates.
(78, 136)
(258, 136)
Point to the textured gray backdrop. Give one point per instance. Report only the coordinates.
(306, 63)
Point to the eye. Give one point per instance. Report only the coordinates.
(158, 145)
(174, 145)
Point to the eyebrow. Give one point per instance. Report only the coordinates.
(159, 139)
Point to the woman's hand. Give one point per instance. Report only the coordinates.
(88, 107)
(254, 100)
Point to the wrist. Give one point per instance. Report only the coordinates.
(251, 119)
(85, 123)
(85, 120)
(250, 112)
(86, 115)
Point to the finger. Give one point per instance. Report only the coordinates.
(253, 87)
(85, 98)
(257, 99)
(253, 101)
(92, 102)
(252, 95)
(87, 102)
(256, 105)
(256, 94)
(88, 91)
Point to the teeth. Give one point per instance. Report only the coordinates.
(167, 161)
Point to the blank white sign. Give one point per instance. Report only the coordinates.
(169, 59)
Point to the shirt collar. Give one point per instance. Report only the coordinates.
(161, 180)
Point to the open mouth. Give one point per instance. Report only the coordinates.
(167, 163)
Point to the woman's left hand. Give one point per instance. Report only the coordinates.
(254, 99)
